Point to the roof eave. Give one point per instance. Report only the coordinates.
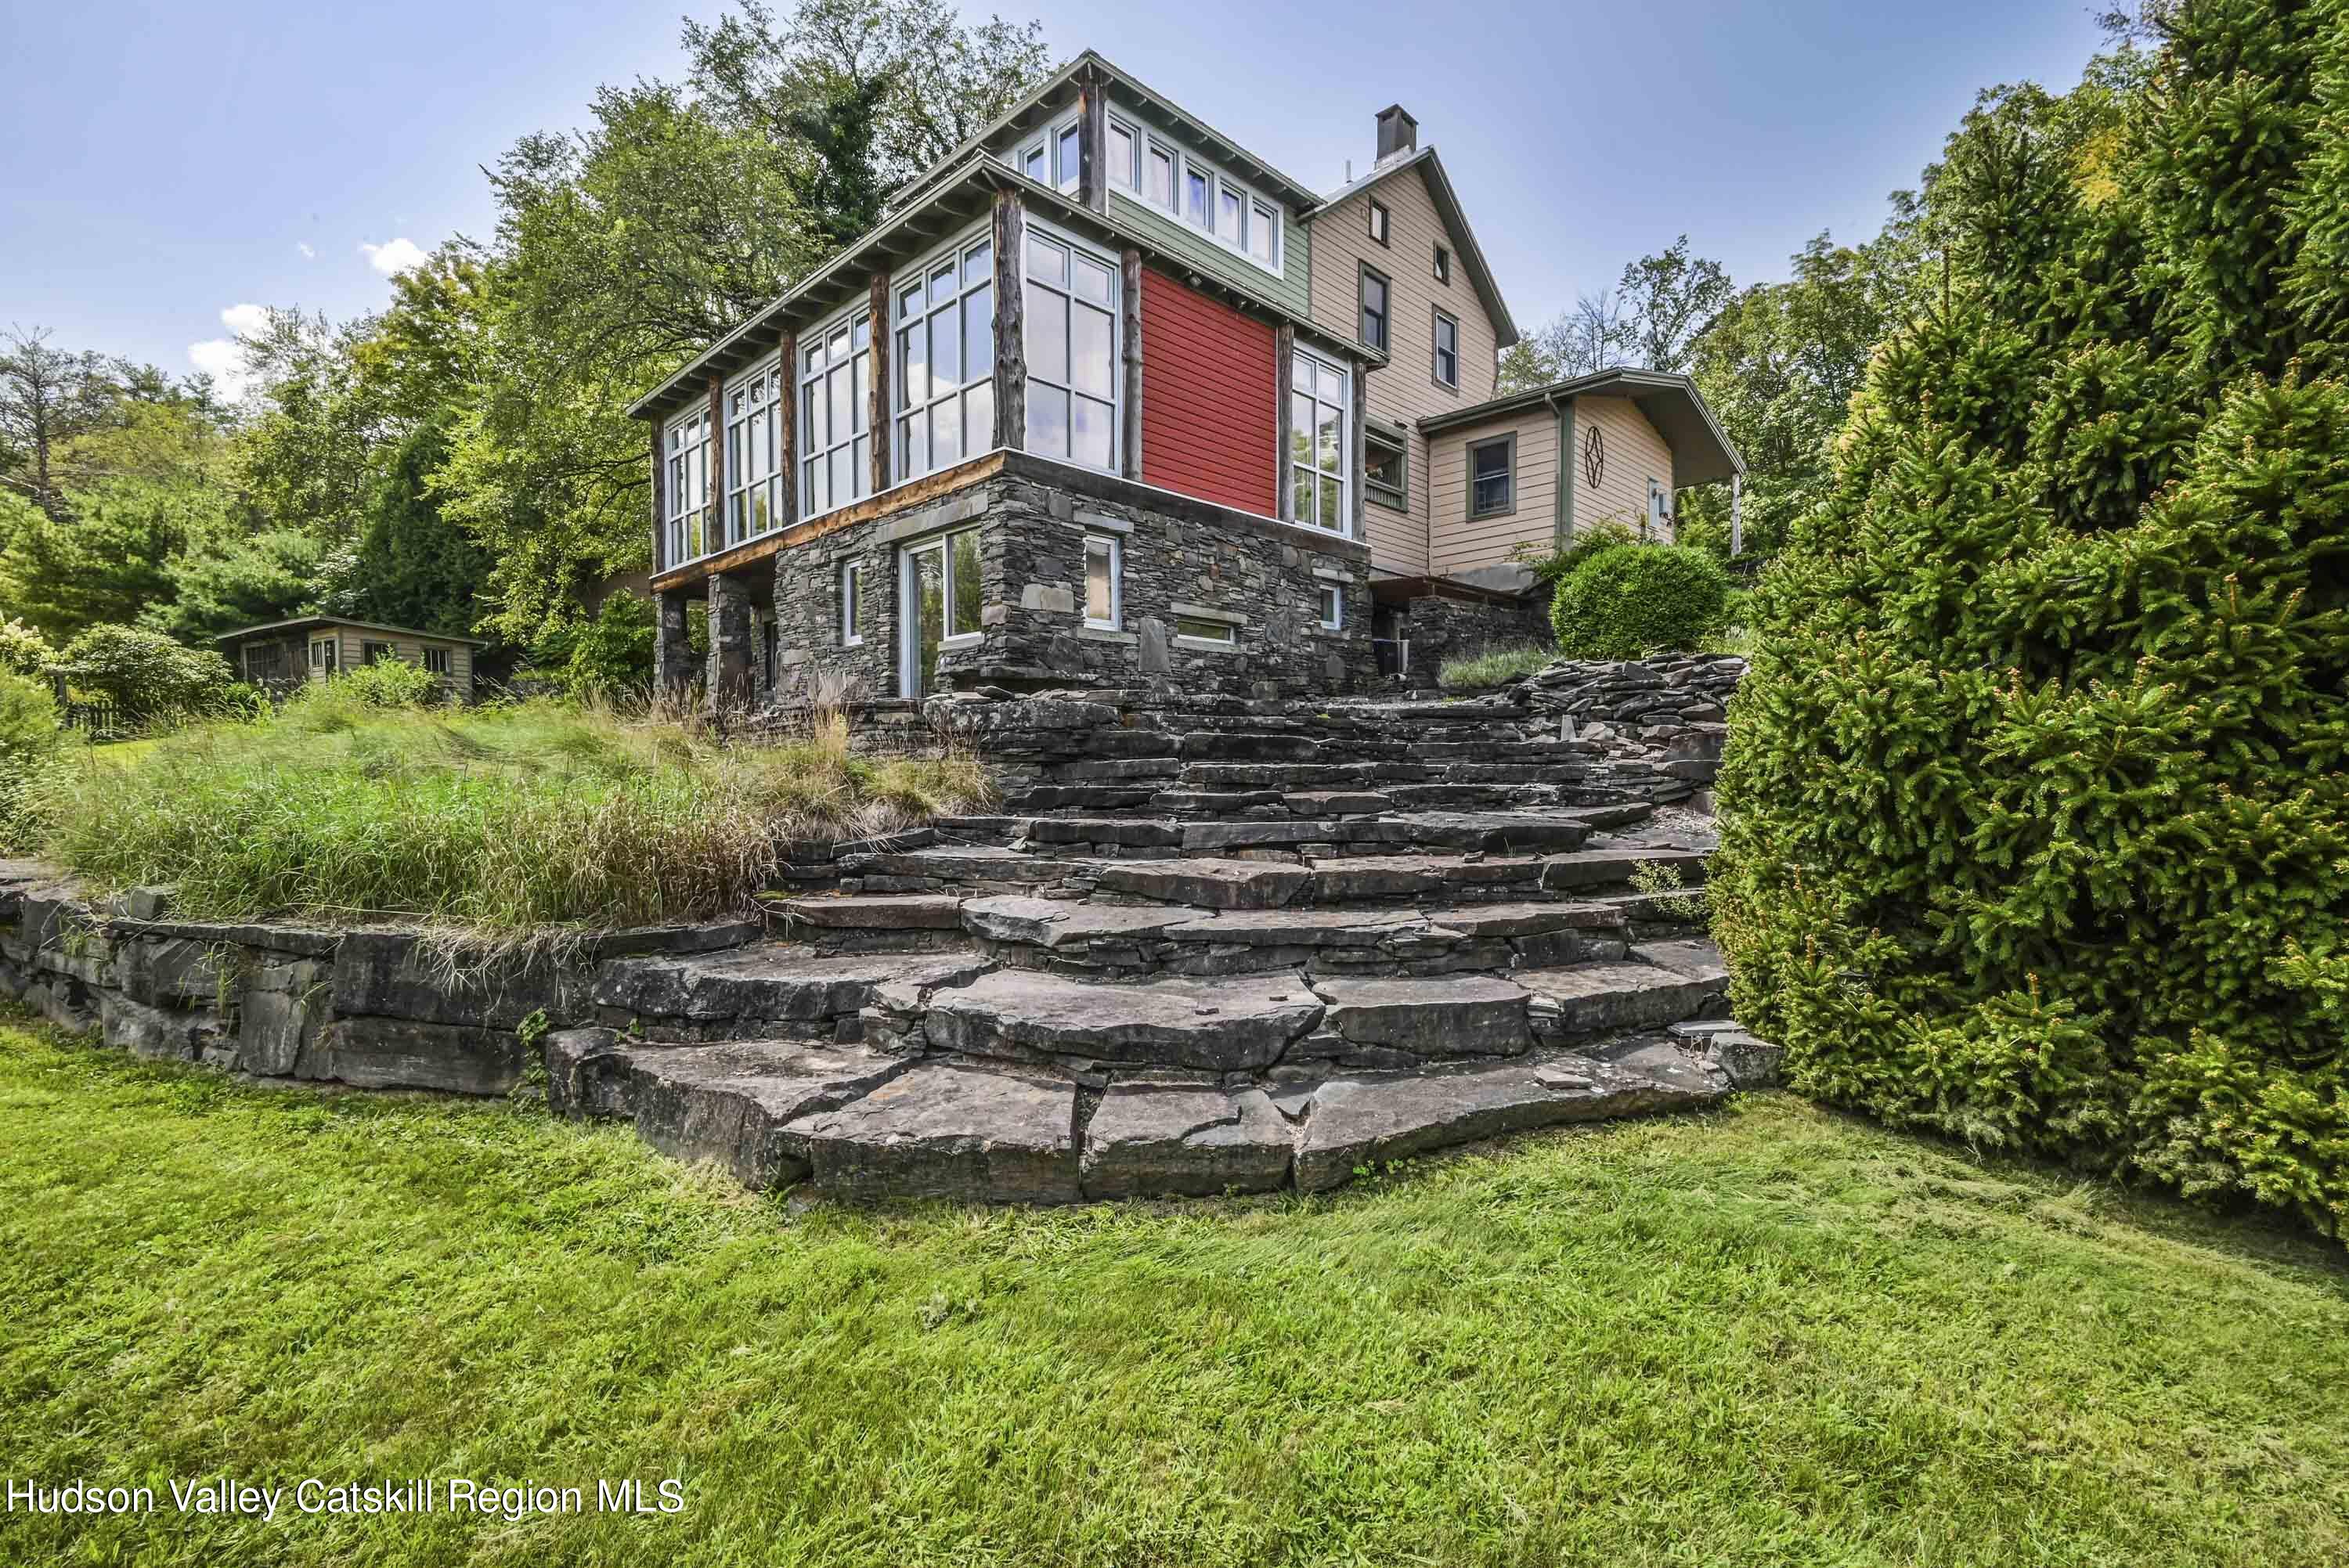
(1638, 385)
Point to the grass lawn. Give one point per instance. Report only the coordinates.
(1768, 1334)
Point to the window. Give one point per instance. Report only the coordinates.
(754, 501)
(376, 653)
(1195, 185)
(1374, 308)
(1073, 371)
(1067, 162)
(264, 662)
(1386, 469)
(1333, 607)
(938, 587)
(688, 489)
(1104, 589)
(1492, 476)
(437, 662)
(1447, 351)
(1034, 163)
(1204, 631)
(1442, 265)
(1122, 147)
(854, 610)
(835, 447)
(1317, 449)
(1264, 233)
(1378, 223)
(946, 359)
(1158, 178)
(325, 655)
(1660, 511)
(1231, 217)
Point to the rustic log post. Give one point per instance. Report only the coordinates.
(713, 517)
(877, 414)
(1130, 267)
(1010, 331)
(1284, 384)
(1093, 143)
(1356, 450)
(660, 474)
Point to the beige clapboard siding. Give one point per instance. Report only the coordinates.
(1460, 546)
(1405, 392)
(351, 649)
(1635, 454)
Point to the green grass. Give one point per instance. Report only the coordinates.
(1492, 667)
(1764, 1336)
(505, 820)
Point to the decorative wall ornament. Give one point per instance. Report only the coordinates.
(1594, 456)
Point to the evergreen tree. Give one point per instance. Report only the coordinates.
(2037, 816)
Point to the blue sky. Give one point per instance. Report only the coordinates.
(168, 164)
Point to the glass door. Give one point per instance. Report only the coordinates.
(922, 587)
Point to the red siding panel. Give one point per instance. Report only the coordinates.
(1209, 423)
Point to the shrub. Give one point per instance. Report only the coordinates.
(2036, 799)
(30, 741)
(1492, 667)
(145, 674)
(23, 651)
(387, 683)
(608, 654)
(1555, 565)
(1628, 601)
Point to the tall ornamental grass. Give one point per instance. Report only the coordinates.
(507, 820)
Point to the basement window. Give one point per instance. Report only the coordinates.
(853, 607)
(1333, 607)
(1200, 631)
(1103, 588)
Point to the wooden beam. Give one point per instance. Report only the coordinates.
(1356, 451)
(660, 473)
(713, 521)
(787, 449)
(1011, 331)
(1130, 267)
(1093, 143)
(1284, 382)
(876, 416)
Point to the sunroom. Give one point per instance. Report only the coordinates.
(1000, 327)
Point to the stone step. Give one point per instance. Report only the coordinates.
(1314, 818)
(1658, 984)
(1137, 940)
(1222, 1025)
(773, 990)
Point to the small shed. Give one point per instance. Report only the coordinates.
(284, 655)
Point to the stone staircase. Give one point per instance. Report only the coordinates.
(1228, 948)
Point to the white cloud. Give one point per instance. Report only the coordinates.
(394, 256)
(223, 358)
(307, 253)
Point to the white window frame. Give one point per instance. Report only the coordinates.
(1333, 606)
(1219, 633)
(1307, 371)
(971, 275)
(1066, 293)
(1152, 148)
(1660, 506)
(685, 486)
(909, 619)
(1131, 168)
(852, 604)
(326, 654)
(1254, 209)
(858, 442)
(753, 405)
(1116, 550)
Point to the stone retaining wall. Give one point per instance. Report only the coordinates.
(1667, 718)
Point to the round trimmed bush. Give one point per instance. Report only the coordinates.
(1628, 601)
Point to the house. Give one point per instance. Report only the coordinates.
(284, 655)
(1106, 397)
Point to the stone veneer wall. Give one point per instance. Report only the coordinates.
(1180, 557)
(1446, 628)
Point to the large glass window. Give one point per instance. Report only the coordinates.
(946, 360)
(1073, 380)
(754, 448)
(835, 445)
(941, 588)
(687, 489)
(1318, 443)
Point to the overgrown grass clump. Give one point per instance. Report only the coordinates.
(1492, 667)
(507, 820)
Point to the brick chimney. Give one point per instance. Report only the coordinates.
(1398, 132)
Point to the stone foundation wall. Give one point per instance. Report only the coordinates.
(1179, 558)
(1667, 714)
(1444, 628)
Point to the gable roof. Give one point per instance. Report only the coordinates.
(1672, 403)
(1455, 221)
(299, 621)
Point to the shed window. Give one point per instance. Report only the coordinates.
(371, 653)
(325, 655)
(436, 661)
